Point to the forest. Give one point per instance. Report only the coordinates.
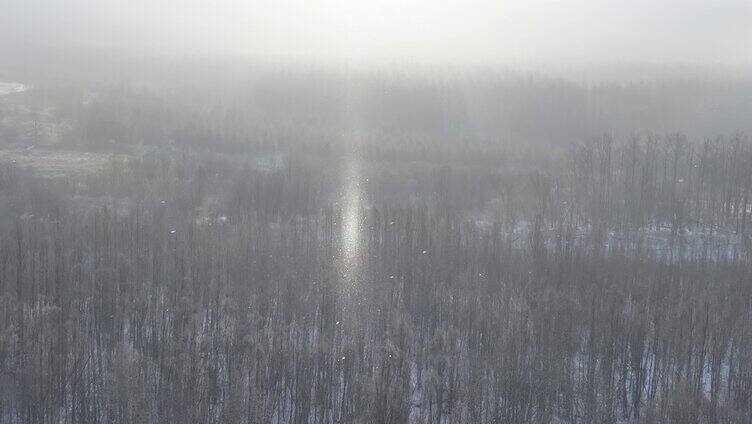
(375, 212)
(277, 250)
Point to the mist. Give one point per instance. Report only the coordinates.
(397, 212)
(553, 34)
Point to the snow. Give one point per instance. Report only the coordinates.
(12, 87)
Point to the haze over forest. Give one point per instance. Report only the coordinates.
(369, 211)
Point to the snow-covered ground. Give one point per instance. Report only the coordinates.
(12, 87)
(688, 243)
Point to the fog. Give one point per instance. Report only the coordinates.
(394, 212)
(552, 34)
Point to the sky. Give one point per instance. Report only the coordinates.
(452, 32)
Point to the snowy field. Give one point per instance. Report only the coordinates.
(12, 87)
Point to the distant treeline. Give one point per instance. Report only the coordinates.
(505, 109)
(235, 107)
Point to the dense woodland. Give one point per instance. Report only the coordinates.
(178, 285)
(375, 212)
(287, 246)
